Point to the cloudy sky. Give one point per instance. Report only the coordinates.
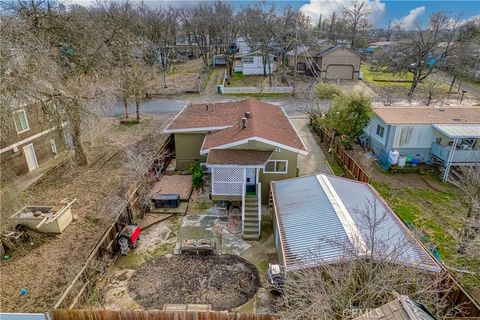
(405, 12)
(402, 12)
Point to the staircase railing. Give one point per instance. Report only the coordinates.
(259, 195)
(243, 200)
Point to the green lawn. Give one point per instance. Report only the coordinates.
(382, 77)
(239, 80)
(437, 217)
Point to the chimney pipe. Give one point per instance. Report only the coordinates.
(244, 123)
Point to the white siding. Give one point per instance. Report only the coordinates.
(257, 66)
(414, 136)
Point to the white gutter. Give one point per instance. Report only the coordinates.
(35, 136)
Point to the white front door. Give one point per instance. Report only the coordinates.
(29, 152)
(250, 175)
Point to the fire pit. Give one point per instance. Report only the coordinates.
(224, 281)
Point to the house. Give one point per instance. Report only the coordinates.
(320, 219)
(252, 64)
(328, 61)
(385, 46)
(306, 54)
(218, 60)
(246, 144)
(446, 136)
(338, 63)
(30, 141)
(241, 45)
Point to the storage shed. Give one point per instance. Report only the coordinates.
(319, 219)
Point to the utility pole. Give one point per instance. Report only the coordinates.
(296, 52)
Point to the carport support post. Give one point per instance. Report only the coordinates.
(448, 165)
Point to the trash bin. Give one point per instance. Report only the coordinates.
(219, 88)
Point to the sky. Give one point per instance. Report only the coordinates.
(384, 12)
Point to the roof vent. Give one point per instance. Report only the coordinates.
(456, 119)
(244, 123)
(441, 109)
(247, 114)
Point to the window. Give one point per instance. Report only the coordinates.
(380, 131)
(21, 122)
(54, 146)
(247, 59)
(276, 166)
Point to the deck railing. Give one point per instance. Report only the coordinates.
(460, 156)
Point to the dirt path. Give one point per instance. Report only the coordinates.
(99, 188)
(210, 91)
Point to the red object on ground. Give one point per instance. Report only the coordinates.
(131, 232)
(135, 234)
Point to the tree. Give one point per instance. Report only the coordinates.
(256, 26)
(224, 21)
(467, 179)
(159, 29)
(290, 24)
(196, 26)
(327, 90)
(363, 277)
(357, 20)
(54, 58)
(421, 52)
(349, 115)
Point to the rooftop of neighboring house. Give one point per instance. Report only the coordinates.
(335, 48)
(323, 219)
(402, 308)
(312, 50)
(222, 122)
(429, 115)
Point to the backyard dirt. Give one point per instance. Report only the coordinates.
(44, 265)
(185, 77)
(225, 281)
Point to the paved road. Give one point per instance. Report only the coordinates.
(314, 161)
(174, 105)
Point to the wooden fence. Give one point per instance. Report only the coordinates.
(349, 164)
(458, 296)
(153, 315)
(105, 249)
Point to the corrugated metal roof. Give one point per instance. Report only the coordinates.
(312, 232)
(459, 130)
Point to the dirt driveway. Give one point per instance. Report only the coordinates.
(46, 264)
(314, 161)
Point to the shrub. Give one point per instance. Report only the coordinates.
(197, 175)
(349, 115)
(325, 90)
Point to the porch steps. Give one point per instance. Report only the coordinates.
(251, 225)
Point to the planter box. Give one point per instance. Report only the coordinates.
(49, 219)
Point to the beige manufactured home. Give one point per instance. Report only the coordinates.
(246, 144)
